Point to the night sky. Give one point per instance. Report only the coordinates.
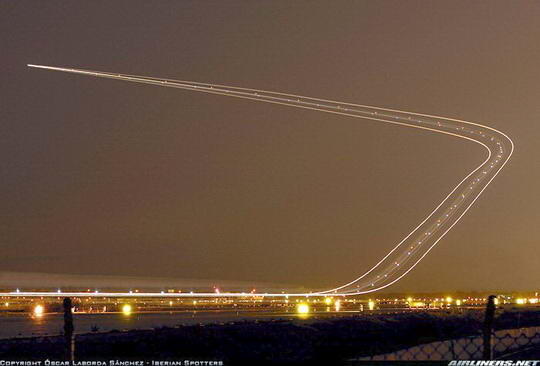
(104, 177)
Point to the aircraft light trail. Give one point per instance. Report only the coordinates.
(410, 250)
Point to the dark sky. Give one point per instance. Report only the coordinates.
(112, 178)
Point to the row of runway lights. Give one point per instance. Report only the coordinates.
(303, 308)
(330, 300)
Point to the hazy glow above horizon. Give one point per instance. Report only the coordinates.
(417, 244)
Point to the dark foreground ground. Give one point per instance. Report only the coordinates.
(331, 341)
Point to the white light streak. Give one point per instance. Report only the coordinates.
(404, 256)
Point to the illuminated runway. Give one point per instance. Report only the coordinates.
(418, 243)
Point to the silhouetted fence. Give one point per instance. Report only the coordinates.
(503, 343)
(486, 345)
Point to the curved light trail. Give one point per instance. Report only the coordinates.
(420, 241)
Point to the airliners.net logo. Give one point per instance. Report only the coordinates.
(495, 363)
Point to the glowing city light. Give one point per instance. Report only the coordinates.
(371, 305)
(328, 301)
(39, 310)
(302, 309)
(126, 309)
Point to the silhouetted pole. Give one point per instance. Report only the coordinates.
(488, 327)
(68, 329)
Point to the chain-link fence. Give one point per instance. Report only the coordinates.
(504, 344)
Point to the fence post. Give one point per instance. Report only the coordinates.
(68, 330)
(488, 327)
(452, 349)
